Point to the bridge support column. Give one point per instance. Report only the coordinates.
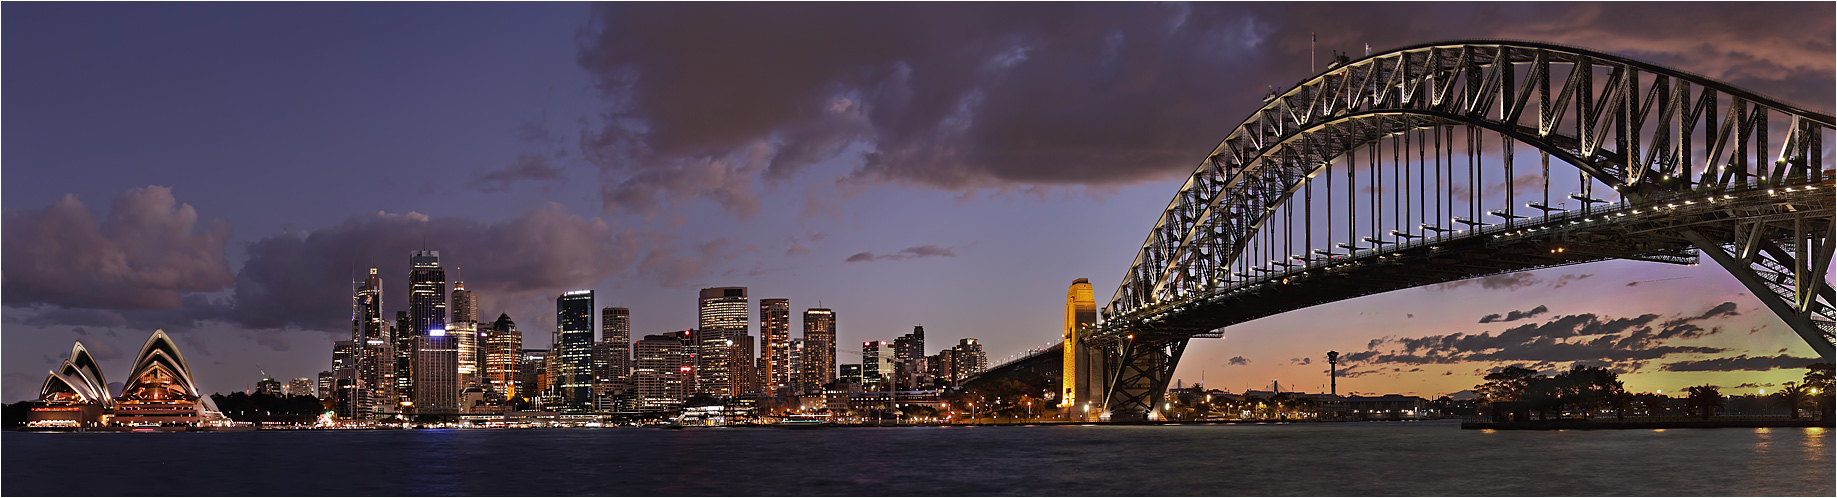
(1775, 274)
(1138, 380)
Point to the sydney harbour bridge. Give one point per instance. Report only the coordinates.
(1447, 161)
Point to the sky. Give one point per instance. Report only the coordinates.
(222, 170)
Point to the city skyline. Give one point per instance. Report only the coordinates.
(835, 208)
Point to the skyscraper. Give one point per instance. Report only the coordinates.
(819, 349)
(660, 373)
(404, 340)
(352, 400)
(615, 332)
(436, 374)
(573, 374)
(909, 358)
(877, 365)
(369, 333)
(504, 357)
(464, 329)
(720, 328)
(794, 367)
(532, 376)
(774, 345)
(426, 293)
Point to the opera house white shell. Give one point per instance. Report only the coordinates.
(159, 392)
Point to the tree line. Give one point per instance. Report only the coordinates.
(1589, 390)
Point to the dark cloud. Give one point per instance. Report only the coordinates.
(1237, 360)
(962, 96)
(1515, 315)
(288, 276)
(148, 251)
(1301, 361)
(1742, 362)
(1619, 343)
(1505, 282)
(924, 251)
(528, 167)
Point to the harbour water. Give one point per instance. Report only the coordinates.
(1371, 459)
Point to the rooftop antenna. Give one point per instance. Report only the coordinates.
(1313, 39)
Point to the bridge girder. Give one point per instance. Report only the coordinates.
(1650, 133)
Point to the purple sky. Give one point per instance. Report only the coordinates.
(220, 170)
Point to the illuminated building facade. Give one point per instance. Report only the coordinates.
(532, 377)
(1082, 377)
(819, 349)
(909, 359)
(74, 396)
(660, 371)
(794, 366)
(877, 365)
(774, 345)
(324, 388)
(720, 329)
(504, 358)
(573, 358)
(436, 375)
(373, 356)
(426, 293)
(943, 366)
(404, 341)
(612, 356)
(464, 329)
(970, 358)
(159, 390)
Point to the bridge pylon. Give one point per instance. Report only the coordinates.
(1140, 368)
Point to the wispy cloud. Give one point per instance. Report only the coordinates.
(924, 251)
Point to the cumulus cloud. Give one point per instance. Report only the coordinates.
(543, 251)
(1514, 315)
(924, 251)
(147, 252)
(965, 96)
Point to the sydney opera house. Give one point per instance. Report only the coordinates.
(158, 393)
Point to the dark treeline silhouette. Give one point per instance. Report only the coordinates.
(1516, 392)
(15, 414)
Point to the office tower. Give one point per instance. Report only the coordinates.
(819, 349)
(969, 358)
(851, 375)
(794, 368)
(369, 330)
(532, 375)
(774, 344)
(464, 329)
(427, 304)
(877, 365)
(1082, 366)
(720, 330)
(615, 338)
(436, 374)
(324, 390)
(909, 359)
(573, 358)
(404, 338)
(504, 358)
(300, 387)
(660, 373)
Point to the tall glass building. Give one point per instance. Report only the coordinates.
(774, 345)
(819, 365)
(720, 331)
(573, 376)
(426, 293)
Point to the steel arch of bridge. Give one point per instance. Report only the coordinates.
(1650, 133)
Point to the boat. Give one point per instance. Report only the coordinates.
(805, 421)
